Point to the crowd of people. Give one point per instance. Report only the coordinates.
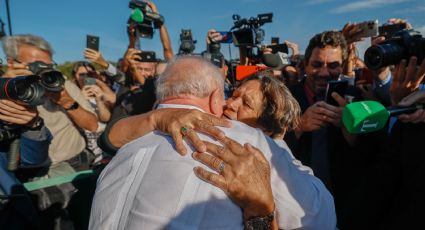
(180, 143)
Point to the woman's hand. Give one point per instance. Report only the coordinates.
(243, 173)
(406, 80)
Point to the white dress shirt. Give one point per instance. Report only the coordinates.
(148, 185)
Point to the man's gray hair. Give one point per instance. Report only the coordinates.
(11, 44)
(189, 75)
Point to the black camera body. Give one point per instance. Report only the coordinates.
(187, 44)
(51, 79)
(248, 32)
(150, 21)
(402, 45)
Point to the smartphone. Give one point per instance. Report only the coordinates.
(275, 40)
(147, 56)
(92, 42)
(388, 30)
(369, 29)
(226, 36)
(89, 81)
(337, 86)
(283, 48)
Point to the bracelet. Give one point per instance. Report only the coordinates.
(260, 222)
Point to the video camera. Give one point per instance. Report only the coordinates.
(30, 89)
(187, 44)
(402, 45)
(249, 32)
(144, 18)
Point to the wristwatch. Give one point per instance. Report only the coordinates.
(37, 124)
(74, 106)
(260, 222)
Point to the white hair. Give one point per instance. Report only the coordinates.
(11, 44)
(188, 75)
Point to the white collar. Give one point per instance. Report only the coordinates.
(179, 106)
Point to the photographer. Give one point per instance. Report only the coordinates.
(64, 113)
(133, 32)
(214, 55)
(138, 95)
(101, 99)
(163, 33)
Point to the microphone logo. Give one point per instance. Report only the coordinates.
(369, 126)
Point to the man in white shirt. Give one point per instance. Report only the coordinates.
(148, 185)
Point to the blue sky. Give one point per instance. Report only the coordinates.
(65, 23)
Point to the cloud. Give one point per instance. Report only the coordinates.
(317, 2)
(418, 9)
(365, 4)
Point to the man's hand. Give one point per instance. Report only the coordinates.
(294, 47)
(14, 113)
(243, 173)
(351, 33)
(61, 98)
(400, 21)
(96, 57)
(152, 6)
(419, 115)
(109, 96)
(213, 36)
(17, 69)
(406, 80)
(321, 114)
(172, 121)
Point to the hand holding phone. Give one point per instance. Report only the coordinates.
(338, 86)
(356, 32)
(92, 42)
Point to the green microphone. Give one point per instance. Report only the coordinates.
(137, 15)
(369, 116)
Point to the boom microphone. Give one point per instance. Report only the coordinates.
(369, 116)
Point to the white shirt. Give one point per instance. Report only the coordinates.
(148, 185)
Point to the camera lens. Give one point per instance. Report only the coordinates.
(52, 81)
(25, 89)
(383, 55)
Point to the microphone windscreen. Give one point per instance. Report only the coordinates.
(271, 60)
(364, 117)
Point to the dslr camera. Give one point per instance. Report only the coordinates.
(148, 22)
(402, 45)
(30, 89)
(187, 44)
(248, 32)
